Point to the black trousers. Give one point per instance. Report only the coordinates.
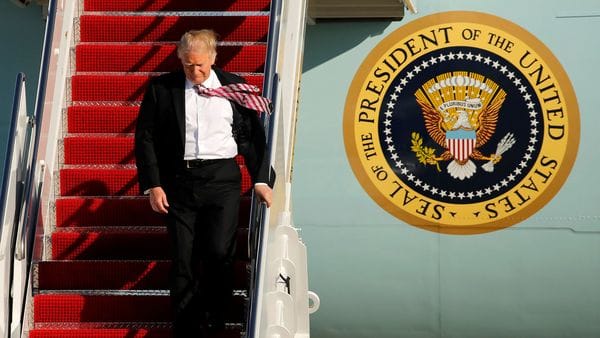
(202, 223)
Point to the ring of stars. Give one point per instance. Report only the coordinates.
(461, 195)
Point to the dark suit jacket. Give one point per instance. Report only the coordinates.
(160, 132)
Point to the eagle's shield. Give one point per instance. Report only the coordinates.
(461, 143)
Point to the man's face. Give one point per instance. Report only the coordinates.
(197, 65)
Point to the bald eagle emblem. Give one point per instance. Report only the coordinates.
(460, 110)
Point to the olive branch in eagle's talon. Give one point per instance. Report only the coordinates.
(425, 155)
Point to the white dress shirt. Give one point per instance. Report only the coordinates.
(208, 121)
(208, 125)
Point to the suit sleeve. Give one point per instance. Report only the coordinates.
(145, 151)
(263, 172)
(251, 137)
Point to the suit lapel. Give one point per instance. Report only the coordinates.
(178, 94)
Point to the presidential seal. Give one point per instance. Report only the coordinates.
(461, 123)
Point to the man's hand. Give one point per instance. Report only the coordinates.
(264, 193)
(158, 200)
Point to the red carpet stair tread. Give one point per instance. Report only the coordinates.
(104, 333)
(119, 243)
(132, 212)
(161, 58)
(170, 5)
(107, 271)
(100, 309)
(81, 181)
(120, 88)
(121, 28)
(113, 274)
(101, 119)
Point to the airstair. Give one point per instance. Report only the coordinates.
(94, 260)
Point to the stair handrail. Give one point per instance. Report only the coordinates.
(30, 192)
(11, 195)
(259, 213)
(32, 180)
(10, 151)
(283, 302)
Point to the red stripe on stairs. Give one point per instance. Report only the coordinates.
(175, 5)
(111, 182)
(162, 58)
(98, 212)
(98, 182)
(99, 150)
(103, 275)
(95, 212)
(122, 245)
(102, 333)
(108, 87)
(115, 275)
(69, 308)
(110, 245)
(102, 119)
(120, 87)
(95, 28)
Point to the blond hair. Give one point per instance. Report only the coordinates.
(201, 41)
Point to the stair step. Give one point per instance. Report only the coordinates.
(102, 333)
(99, 150)
(98, 182)
(175, 5)
(85, 308)
(119, 333)
(98, 212)
(102, 119)
(115, 275)
(109, 88)
(109, 150)
(112, 182)
(124, 28)
(101, 244)
(71, 308)
(162, 58)
(120, 88)
(95, 212)
(121, 244)
(103, 275)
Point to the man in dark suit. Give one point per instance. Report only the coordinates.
(185, 144)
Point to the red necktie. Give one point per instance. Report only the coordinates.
(241, 93)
